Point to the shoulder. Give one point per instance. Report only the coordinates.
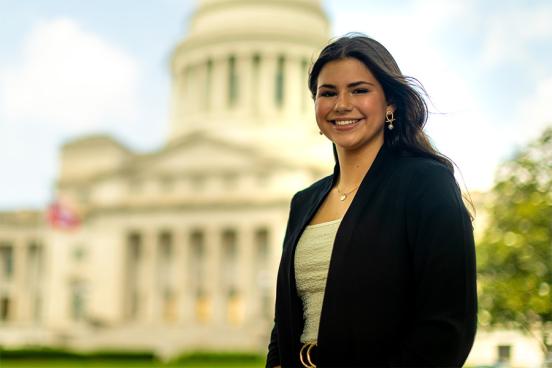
(421, 173)
(312, 190)
(421, 167)
(425, 181)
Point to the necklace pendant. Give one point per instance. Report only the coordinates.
(342, 197)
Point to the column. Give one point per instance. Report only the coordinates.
(201, 88)
(149, 301)
(246, 267)
(19, 299)
(292, 83)
(191, 97)
(245, 69)
(307, 101)
(165, 290)
(212, 284)
(181, 276)
(233, 268)
(275, 239)
(267, 86)
(177, 104)
(33, 271)
(219, 91)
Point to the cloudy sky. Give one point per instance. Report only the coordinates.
(69, 68)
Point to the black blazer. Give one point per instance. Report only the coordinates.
(401, 286)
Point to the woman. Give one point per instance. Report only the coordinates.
(378, 264)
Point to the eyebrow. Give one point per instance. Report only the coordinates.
(350, 85)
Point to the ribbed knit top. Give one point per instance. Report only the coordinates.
(312, 260)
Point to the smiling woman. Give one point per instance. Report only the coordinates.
(351, 106)
(378, 265)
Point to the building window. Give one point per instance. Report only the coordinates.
(164, 272)
(279, 92)
(165, 247)
(78, 290)
(5, 308)
(197, 271)
(167, 183)
(169, 306)
(229, 276)
(34, 260)
(203, 307)
(232, 82)
(504, 353)
(134, 256)
(134, 304)
(230, 180)
(267, 305)
(262, 245)
(6, 261)
(136, 185)
(262, 274)
(36, 309)
(34, 277)
(197, 259)
(198, 181)
(78, 253)
(229, 259)
(235, 308)
(262, 258)
(135, 246)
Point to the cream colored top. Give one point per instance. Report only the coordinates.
(312, 260)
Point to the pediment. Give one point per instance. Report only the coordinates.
(201, 153)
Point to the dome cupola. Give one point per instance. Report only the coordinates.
(243, 65)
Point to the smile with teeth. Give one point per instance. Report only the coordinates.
(344, 122)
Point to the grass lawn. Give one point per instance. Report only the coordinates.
(54, 363)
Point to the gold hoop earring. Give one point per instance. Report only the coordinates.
(390, 118)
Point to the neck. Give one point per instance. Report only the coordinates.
(353, 166)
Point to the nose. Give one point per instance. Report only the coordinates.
(343, 103)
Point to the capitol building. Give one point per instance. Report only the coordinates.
(176, 250)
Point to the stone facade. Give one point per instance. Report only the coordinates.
(177, 249)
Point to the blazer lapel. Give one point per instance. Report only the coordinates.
(338, 260)
(366, 190)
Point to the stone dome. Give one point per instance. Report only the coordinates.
(241, 70)
(219, 20)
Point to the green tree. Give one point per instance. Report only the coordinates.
(515, 253)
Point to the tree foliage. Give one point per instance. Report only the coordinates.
(515, 253)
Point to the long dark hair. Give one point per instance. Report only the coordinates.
(405, 93)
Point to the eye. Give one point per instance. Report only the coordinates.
(359, 91)
(326, 94)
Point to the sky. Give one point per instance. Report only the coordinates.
(70, 68)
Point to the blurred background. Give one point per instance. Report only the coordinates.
(149, 152)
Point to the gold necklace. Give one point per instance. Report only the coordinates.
(343, 196)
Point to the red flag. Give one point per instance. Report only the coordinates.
(62, 217)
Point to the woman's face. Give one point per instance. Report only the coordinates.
(350, 105)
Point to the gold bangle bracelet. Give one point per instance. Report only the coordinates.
(308, 355)
(301, 356)
(309, 346)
